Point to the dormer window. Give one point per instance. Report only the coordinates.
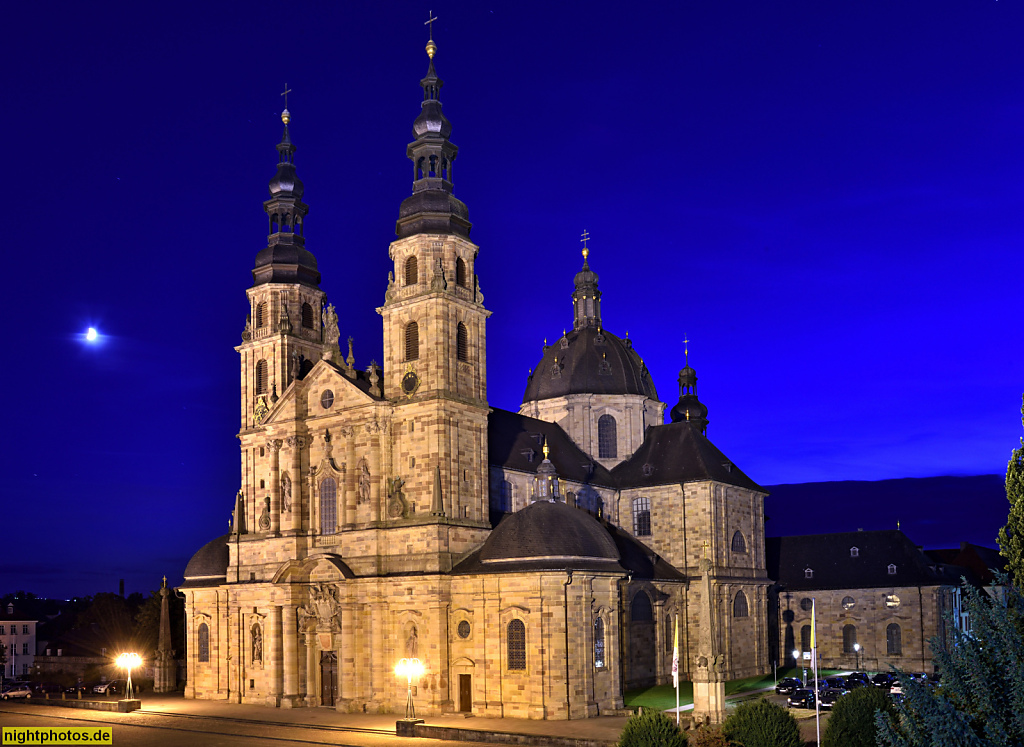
(808, 573)
(892, 569)
(854, 552)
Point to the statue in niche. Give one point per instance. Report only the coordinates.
(412, 643)
(265, 516)
(296, 366)
(286, 493)
(396, 501)
(257, 645)
(330, 319)
(364, 481)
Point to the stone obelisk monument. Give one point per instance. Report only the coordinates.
(708, 680)
(164, 669)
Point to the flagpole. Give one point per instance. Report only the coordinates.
(675, 664)
(814, 657)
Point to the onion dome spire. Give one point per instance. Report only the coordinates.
(689, 408)
(586, 298)
(286, 259)
(432, 208)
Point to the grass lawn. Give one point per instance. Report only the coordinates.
(663, 697)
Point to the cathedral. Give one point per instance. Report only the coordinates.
(538, 563)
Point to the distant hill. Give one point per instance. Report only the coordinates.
(934, 512)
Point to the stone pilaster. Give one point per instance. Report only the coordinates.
(291, 658)
(274, 447)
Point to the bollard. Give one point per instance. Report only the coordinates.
(63, 696)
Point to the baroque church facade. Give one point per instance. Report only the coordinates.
(537, 562)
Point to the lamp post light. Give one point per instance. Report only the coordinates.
(129, 662)
(856, 650)
(409, 668)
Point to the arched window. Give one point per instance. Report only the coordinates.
(462, 342)
(261, 314)
(805, 638)
(516, 639)
(738, 543)
(641, 517)
(640, 610)
(598, 642)
(849, 638)
(505, 497)
(412, 271)
(893, 640)
(261, 377)
(307, 316)
(739, 605)
(607, 438)
(460, 273)
(412, 341)
(204, 642)
(669, 634)
(328, 506)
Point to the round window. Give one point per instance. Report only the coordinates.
(464, 629)
(892, 601)
(806, 604)
(848, 603)
(327, 399)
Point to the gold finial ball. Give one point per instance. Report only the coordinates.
(431, 49)
(286, 116)
(586, 252)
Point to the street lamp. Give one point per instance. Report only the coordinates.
(409, 668)
(129, 662)
(856, 650)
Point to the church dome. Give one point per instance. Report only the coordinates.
(209, 566)
(689, 408)
(286, 182)
(589, 360)
(431, 120)
(548, 531)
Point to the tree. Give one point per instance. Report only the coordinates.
(852, 721)
(1011, 537)
(760, 723)
(651, 728)
(980, 699)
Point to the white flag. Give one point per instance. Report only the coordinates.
(675, 655)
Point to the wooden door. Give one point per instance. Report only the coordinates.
(466, 693)
(328, 678)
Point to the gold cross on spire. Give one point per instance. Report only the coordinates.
(285, 116)
(165, 582)
(584, 240)
(686, 348)
(431, 47)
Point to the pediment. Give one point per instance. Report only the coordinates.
(344, 392)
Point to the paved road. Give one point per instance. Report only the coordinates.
(164, 730)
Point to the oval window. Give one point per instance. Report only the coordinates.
(848, 603)
(327, 399)
(464, 629)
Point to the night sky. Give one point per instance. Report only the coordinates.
(825, 198)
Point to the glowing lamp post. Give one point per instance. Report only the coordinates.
(128, 662)
(856, 650)
(409, 668)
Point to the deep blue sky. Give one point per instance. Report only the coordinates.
(825, 197)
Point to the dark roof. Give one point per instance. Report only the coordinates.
(209, 566)
(981, 561)
(678, 453)
(515, 442)
(552, 536)
(834, 567)
(17, 615)
(589, 361)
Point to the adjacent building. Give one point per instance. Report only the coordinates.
(18, 637)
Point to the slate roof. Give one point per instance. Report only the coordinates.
(552, 536)
(678, 453)
(594, 362)
(515, 442)
(17, 615)
(829, 557)
(979, 560)
(209, 566)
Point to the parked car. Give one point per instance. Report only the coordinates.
(853, 684)
(46, 687)
(80, 687)
(114, 687)
(17, 690)
(801, 698)
(836, 683)
(896, 689)
(787, 685)
(883, 680)
(830, 695)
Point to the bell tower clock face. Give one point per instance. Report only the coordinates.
(410, 383)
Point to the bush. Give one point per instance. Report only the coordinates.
(852, 723)
(708, 736)
(759, 723)
(651, 728)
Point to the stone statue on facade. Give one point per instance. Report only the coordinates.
(331, 334)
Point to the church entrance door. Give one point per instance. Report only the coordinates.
(466, 693)
(328, 678)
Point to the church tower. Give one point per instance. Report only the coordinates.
(434, 329)
(282, 336)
